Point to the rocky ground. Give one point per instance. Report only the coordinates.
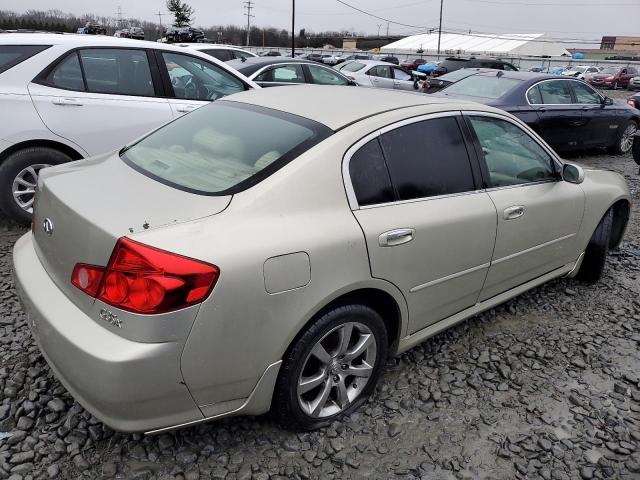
(546, 386)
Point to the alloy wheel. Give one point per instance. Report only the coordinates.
(24, 186)
(626, 142)
(337, 370)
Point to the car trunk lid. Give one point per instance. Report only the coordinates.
(84, 207)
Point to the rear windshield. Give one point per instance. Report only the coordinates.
(223, 148)
(352, 67)
(483, 86)
(12, 55)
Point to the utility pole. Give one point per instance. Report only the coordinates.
(379, 27)
(249, 5)
(440, 27)
(119, 14)
(387, 29)
(293, 28)
(160, 15)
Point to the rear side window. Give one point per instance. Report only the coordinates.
(223, 148)
(220, 54)
(117, 71)
(12, 55)
(283, 74)
(67, 74)
(427, 159)
(555, 92)
(369, 175)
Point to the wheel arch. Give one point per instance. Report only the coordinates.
(621, 211)
(66, 149)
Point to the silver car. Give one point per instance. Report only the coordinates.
(272, 249)
(375, 74)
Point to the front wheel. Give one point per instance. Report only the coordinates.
(19, 177)
(331, 369)
(595, 255)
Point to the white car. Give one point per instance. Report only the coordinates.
(331, 59)
(579, 71)
(68, 97)
(376, 74)
(221, 52)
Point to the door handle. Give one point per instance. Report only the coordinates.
(397, 84)
(396, 237)
(514, 212)
(186, 108)
(67, 101)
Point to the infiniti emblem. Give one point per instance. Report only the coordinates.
(47, 226)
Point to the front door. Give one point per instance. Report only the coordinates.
(381, 77)
(603, 121)
(538, 213)
(561, 124)
(193, 82)
(403, 80)
(100, 98)
(428, 228)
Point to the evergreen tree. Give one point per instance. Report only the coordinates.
(182, 12)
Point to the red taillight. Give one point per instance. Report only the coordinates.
(632, 103)
(144, 279)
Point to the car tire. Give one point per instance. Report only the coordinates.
(595, 255)
(24, 165)
(624, 141)
(301, 362)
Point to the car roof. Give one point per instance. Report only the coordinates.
(374, 62)
(253, 64)
(337, 107)
(519, 75)
(213, 46)
(80, 40)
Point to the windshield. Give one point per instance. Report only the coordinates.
(610, 71)
(223, 148)
(483, 86)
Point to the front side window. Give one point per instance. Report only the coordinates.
(369, 175)
(195, 79)
(400, 74)
(67, 74)
(509, 68)
(555, 92)
(223, 148)
(585, 94)
(283, 74)
(117, 71)
(325, 76)
(511, 155)
(428, 158)
(12, 55)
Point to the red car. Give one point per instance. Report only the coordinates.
(613, 77)
(413, 64)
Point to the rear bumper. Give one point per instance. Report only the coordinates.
(130, 386)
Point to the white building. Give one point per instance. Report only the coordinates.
(514, 44)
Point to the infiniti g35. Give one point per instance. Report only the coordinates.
(270, 250)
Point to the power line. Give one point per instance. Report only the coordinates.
(378, 17)
(556, 4)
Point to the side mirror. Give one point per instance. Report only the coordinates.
(353, 83)
(607, 101)
(572, 173)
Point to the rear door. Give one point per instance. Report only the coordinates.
(101, 98)
(538, 213)
(429, 228)
(561, 122)
(192, 82)
(381, 77)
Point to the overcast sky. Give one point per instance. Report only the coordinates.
(583, 19)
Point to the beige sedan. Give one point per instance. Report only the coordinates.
(271, 250)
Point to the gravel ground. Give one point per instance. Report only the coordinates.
(545, 386)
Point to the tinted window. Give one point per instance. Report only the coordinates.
(12, 55)
(369, 175)
(483, 86)
(511, 155)
(285, 74)
(241, 54)
(509, 68)
(400, 74)
(67, 74)
(555, 92)
(220, 54)
(585, 94)
(196, 79)
(223, 147)
(325, 76)
(428, 158)
(533, 95)
(117, 71)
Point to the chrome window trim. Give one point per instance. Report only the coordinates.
(274, 65)
(351, 151)
(526, 94)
